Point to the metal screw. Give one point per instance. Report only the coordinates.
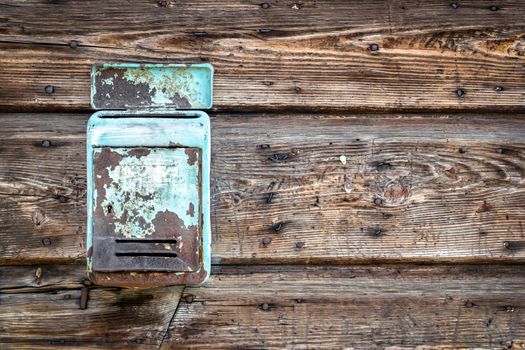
(46, 241)
(509, 308)
(49, 89)
(373, 47)
(265, 307)
(298, 89)
(73, 44)
(299, 245)
(189, 298)
(46, 143)
(463, 149)
(507, 245)
(454, 5)
(494, 8)
(498, 88)
(265, 5)
(460, 92)
(163, 3)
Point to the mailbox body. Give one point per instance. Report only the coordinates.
(148, 197)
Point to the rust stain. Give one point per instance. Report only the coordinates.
(112, 88)
(485, 207)
(191, 210)
(192, 156)
(139, 152)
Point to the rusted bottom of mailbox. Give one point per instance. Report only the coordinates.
(148, 198)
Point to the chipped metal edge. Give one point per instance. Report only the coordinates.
(193, 131)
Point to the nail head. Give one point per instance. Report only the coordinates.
(49, 89)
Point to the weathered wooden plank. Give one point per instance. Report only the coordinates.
(41, 309)
(298, 188)
(254, 307)
(308, 55)
(352, 307)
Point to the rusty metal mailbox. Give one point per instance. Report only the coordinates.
(148, 163)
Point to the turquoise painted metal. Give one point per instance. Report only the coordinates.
(148, 181)
(119, 86)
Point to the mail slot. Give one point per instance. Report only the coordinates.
(148, 175)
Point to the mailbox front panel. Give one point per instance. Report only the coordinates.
(146, 209)
(148, 205)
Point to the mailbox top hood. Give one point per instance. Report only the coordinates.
(141, 86)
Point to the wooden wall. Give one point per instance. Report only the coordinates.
(368, 174)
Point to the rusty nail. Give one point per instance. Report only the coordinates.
(46, 241)
(49, 89)
(266, 241)
(73, 44)
(265, 5)
(84, 294)
(87, 282)
(373, 47)
(460, 93)
(269, 198)
(454, 5)
(469, 304)
(299, 245)
(463, 149)
(494, 8)
(189, 298)
(46, 143)
(498, 88)
(265, 307)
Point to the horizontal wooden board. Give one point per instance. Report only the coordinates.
(298, 188)
(41, 309)
(268, 307)
(307, 55)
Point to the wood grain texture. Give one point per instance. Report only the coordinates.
(352, 308)
(409, 188)
(41, 309)
(268, 307)
(308, 55)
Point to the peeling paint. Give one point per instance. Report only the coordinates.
(139, 186)
(117, 86)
